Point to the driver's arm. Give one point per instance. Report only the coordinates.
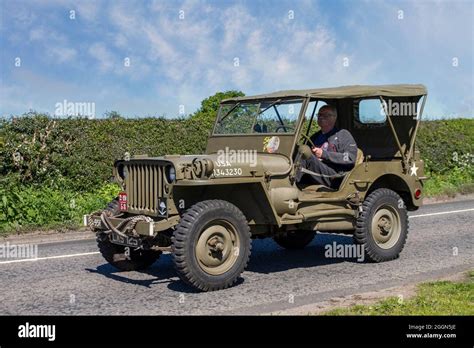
(346, 150)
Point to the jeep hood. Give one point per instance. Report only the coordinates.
(223, 165)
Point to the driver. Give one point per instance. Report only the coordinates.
(334, 153)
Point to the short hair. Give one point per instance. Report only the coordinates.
(331, 110)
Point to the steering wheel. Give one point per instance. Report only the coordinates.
(283, 127)
(299, 155)
(308, 138)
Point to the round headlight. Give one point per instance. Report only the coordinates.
(122, 171)
(171, 174)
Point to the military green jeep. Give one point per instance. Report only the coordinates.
(205, 209)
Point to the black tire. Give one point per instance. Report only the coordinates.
(122, 257)
(126, 258)
(195, 226)
(295, 239)
(376, 203)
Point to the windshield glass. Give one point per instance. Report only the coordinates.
(264, 116)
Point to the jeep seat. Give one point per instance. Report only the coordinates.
(360, 157)
(323, 188)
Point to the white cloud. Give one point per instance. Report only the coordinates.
(62, 54)
(189, 59)
(198, 51)
(86, 9)
(54, 44)
(102, 54)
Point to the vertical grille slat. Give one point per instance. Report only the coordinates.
(154, 194)
(127, 184)
(130, 187)
(144, 184)
(135, 193)
(160, 182)
(147, 188)
(140, 185)
(135, 187)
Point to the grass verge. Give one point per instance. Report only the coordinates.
(24, 209)
(459, 181)
(433, 298)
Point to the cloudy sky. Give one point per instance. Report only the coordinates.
(149, 57)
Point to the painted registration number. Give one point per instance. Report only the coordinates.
(127, 241)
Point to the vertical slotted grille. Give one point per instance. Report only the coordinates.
(144, 184)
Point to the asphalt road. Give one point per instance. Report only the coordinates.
(71, 277)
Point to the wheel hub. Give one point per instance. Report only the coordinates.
(216, 248)
(386, 227)
(216, 243)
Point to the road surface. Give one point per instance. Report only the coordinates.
(71, 277)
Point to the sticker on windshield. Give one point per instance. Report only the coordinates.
(271, 144)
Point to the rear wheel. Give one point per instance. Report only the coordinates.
(382, 227)
(295, 239)
(211, 245)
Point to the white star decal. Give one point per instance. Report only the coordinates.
(413, 170)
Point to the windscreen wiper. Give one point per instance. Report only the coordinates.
(279, 118)
(269, 106)
(228, 112)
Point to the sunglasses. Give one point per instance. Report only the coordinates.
(324, 116)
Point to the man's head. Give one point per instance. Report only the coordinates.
(327, 117)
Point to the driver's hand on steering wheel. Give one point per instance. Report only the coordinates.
(318, 152)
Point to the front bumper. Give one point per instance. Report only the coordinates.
(143, 228)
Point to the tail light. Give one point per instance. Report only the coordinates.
(417, 193)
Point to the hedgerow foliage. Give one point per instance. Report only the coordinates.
(55, 170)
(446, 144)
(78, 153)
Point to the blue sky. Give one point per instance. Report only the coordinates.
(180, 52)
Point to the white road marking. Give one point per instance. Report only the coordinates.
(49, 257)
(442, 213)
(97, 252)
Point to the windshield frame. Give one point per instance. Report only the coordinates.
(275, 101)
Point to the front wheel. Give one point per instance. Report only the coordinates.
(382, 227)
(126, 258)
(211, 245)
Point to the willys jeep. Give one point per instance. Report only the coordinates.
(205, 209)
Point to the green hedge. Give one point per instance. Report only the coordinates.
(54, 170)
(32, 206)
(446, 144)
(78, 153)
